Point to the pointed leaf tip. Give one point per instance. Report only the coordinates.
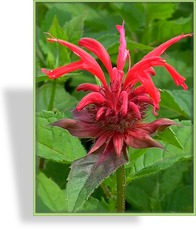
(91, 98)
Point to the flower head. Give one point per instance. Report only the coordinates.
(113, 113)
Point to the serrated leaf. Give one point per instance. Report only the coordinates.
(57, 54)
(87, 173)
(181, 199)
(132, 13)
(162, 30)
(56, 30)
(74, 28)
(161, 192)
(160, 10)
(63, 101)
(176, 104)
(144, 162)
(52, 196)
(169, 136)
(55, 143)
(56, 11)
(92, 205)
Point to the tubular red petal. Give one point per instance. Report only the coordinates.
(99, 142)
(150, 101)
(161, 49)
(88, 87)
(100, 112)
(139, 90)
(116, 83)
(91, 98)
(141, 66)
(124, 99)
(135, 109)
(148, 84)
(109, 112)
(90, 64)
(151, 71)
(87, 58)
(118, 140)
(179, 80)
(150, 88)
(98, 49)
(145, 98)
(58, 72)
(122, 51)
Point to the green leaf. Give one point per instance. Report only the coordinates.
(86, 175)
(92, 205)
(181, 199)
(54, 11)
(55, 143)
(74, 28)
(63, 101)
(169, 136)
(176, 104)
(166, 29)
(52, 196)
(41, 207)
(165, 191)
(148, 161)
(132, 13)
(160, 10)
(41, 78)
(57, 54)
(56, 171)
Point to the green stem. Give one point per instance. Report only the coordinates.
(120, 179)
(106, 191)
(51, 102)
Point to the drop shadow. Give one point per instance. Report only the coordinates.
(19, 111)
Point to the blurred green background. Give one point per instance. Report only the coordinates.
(160, 188)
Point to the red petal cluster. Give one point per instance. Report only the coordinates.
(113, 113)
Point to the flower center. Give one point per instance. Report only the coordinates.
(108, 119)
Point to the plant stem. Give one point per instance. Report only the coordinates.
(51, 102)
(120, 179)
(106, 191)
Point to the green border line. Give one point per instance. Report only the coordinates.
(34, 118)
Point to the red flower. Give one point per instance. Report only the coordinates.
(113, 112)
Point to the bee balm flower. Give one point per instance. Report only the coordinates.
(113, 113)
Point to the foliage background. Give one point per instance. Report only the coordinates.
(158, 181)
